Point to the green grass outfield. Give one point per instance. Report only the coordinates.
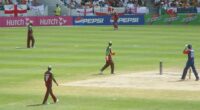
(77, 53)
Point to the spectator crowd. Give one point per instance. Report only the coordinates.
(129, 3)
(102, 3)
(177, 3)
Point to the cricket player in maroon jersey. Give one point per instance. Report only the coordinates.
(115, 18)
(190, 62)
(30, 38)
(48, 77)
(109, 61)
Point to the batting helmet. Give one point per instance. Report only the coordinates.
(110, 43)
(189, 46)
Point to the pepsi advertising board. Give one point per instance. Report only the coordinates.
(91, 20)
(107, 20)
(131, 20)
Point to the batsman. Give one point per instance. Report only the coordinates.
(190, 62)
(109, 61)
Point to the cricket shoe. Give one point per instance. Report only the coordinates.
(57, 100)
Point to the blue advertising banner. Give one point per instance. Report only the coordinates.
(187, 10)
(131, 20)
(107, 20)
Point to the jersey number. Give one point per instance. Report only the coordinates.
(47, 77)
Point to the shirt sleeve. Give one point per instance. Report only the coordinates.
(186, 51)
(108, 51)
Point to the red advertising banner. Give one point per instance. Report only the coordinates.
(37, 21)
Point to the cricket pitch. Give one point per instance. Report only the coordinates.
(141, 80)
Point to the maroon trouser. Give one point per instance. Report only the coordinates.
(30, 42)
(109, 63)
(49, 91)
(115, 25)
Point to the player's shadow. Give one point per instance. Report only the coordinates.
(96, 74)
(178, 80)
(21, 48)
(35, 105)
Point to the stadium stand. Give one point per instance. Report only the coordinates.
(102, 7)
